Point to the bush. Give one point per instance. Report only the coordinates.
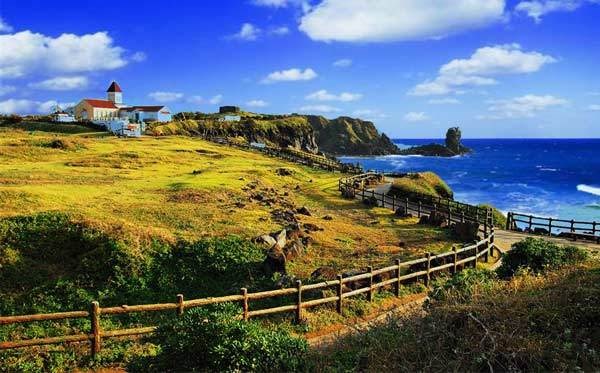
(463, 285)
(499, 217)
(216, 340)
(537, 255)
(416, 185)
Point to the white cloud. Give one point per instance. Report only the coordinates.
(161, 96)
(319, 109)
(290, 75)
(215, 100)
(279, 31)
(444, 101)
(344, 62)
(139, 57)
(6, 89)
(5, 27)
(538, 8)
(248, 32)
(26, 52)
(323, 95)
(281, 3)
(23, 106)
(594, 107)
(479, 69)
(391, 20)
(415, 116)
(369, 114)
(62, 83)
(257, 103)
(522, 107)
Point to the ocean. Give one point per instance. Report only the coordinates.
(558, 178)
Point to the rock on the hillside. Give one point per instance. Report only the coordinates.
(282, 171)
(310, 227)
(435, 219)
(402, 213)
(327, 217)
(275, 261)
(293, 249)
(266, 240)
(281, 238)
(371, 201)
(467, 231)
(303, 211)
(324, 273)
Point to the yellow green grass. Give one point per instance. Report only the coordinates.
(181, 187)
(426, 183)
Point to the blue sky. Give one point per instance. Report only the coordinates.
(524, 68)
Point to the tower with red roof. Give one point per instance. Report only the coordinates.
(115, 93)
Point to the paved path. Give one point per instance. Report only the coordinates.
(504, 240)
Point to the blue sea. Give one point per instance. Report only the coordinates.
(545, 177)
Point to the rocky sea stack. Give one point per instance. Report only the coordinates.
(451, 148)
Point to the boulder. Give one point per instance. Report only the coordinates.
(348, 192)
(266, 240)
(327, 217)
(467, 231)
(324, 273)
(310, 227)
(539, 230)
(293, 249)
(275, 261)
(282, 171)
(371, 201)
(281, 238)
(303, 211)
(437, 219)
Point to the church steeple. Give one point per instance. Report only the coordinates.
(115, 93)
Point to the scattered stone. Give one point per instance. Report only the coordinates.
(282, 171)
(324, 273)
(284, 216)
(304, 211)
(348, 192)
(240, 205)
(196, 172)
(539, 230)
(281, 238)
(275, 261)
(310, 227)
(402, 244)
(266, 240)
(467, 231)
(286, 281)
(241, 178)
(402, 213)
(293, 249)
(327, 217)
(371, 201)
(297, 187)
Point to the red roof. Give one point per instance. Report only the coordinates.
(114, 87)
(100, 103)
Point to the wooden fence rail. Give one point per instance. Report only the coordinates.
(305, 295)
(546, 226)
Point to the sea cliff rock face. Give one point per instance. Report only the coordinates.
(350, 136)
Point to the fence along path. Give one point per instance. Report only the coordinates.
(584, 230)
(303, 296)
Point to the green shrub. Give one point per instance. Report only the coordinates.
(537, 255)
(424, 183)
(215, 340)
(463, 284)
(499, 217)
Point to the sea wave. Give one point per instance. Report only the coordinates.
(588, 189)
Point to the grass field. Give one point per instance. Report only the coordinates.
(180, 187)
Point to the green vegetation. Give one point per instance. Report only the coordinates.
(499, 217)
(476, 322)
(423, 183)
(536, 255)
(66, 128)
(215, 339)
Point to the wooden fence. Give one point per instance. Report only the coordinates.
(546, 226)
(304, 295)
(418, 204)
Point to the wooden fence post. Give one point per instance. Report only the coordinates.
(572, 225)
(419, 210)
(397, 271)
(530, 223)
(406, 205)
(370, 293)
(594, 228)
(244, 292)
(462, 216)
(508, 225)
(180, 305)
(455, 260)
(476, 255)
(95, 328)
(549, 226)
(340, 292)
(299, 302)
(428, 277)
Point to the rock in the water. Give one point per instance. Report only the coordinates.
(304, 211)
(467, 231)
(453, 137)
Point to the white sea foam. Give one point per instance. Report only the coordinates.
(588, 189)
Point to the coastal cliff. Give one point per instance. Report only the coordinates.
(312, 133)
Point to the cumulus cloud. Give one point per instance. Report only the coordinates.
(279, 31)
(415, 116)
(24, 106)
(391, 20)
(481, 67)
(6, 89)
(369, 114)
(257, 103)
(161, 96)
(319, 109)
(139, 57)
(216, 99)
(344, 62)
(521, 107)
(282, 3)
(323, 95)
(5, 27)
(248, 32)
(594, 107)
(62, 83)
(25, 52)
(444, 101)
(199, 100)
(290, 75)
(536, 9)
